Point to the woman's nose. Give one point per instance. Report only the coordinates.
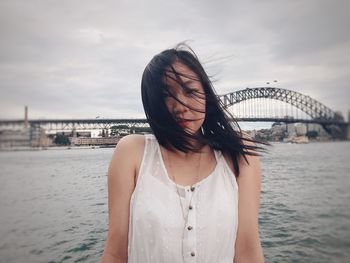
(180, 103)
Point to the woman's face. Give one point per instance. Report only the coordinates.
(191, 116)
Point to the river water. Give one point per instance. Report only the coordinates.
(53, 204)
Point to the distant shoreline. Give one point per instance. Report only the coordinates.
(16, 149)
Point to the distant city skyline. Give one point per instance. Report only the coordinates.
(83, 59)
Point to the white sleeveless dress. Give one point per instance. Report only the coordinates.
(156, 224)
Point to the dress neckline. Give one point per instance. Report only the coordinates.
(185, 187)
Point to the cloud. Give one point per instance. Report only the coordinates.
(85, 58)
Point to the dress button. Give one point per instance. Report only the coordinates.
(192, 188)
(193, 254)
(189, 228)
(190, 207)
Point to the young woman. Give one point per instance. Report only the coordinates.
(190, 192)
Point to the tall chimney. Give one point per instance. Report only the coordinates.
(26, 117)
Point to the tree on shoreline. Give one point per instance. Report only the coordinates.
(62, 139)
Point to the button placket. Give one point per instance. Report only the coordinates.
(190, 243)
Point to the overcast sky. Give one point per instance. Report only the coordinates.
(82, 59)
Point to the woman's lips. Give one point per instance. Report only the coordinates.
(183, 123)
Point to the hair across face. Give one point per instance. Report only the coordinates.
(184, 97)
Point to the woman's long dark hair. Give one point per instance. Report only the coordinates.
(220, 130)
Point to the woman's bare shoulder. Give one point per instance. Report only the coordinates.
(132, 140)
(127, 150)
(253, 159)
(132, 145)
(241, 161)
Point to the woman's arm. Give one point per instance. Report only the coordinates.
(248, 248)
(121, 184)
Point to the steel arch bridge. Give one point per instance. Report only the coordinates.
(315, 109)
(317, 112)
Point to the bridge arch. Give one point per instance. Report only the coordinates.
(315, 109)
